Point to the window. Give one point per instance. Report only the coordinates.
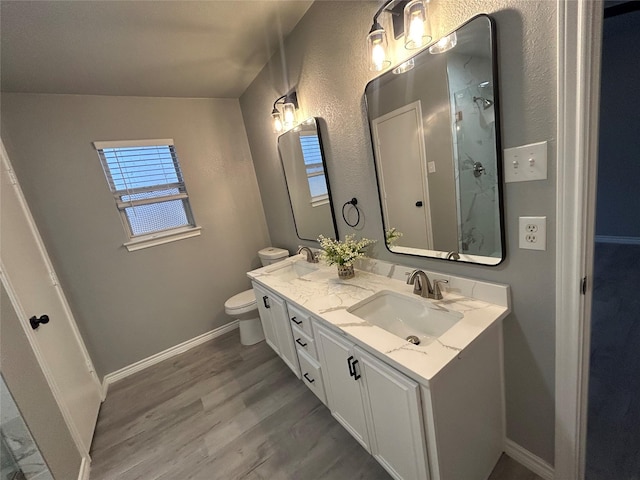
(315, 169)
(145, 179)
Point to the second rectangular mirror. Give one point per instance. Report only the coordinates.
(305, 173)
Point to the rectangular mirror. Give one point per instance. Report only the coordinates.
(305, 173)
(435, 134)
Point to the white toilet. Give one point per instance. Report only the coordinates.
(243, 305)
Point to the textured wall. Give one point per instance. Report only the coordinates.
(130, 305)
(325, 58)
(36, 402)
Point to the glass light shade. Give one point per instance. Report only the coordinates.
(417, 28)
(444, 44)
(404, 67)
(289, 115)
(276, 120)
(377, 50)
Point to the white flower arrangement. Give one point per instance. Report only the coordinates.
(392, 235)
(345, 252)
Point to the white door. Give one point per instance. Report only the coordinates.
(403, 176)
(344, 397)
(32, 285)
(395, 434)
(262, 297)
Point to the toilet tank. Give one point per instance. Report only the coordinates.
(271, 255)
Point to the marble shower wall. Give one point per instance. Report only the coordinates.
(15, 437)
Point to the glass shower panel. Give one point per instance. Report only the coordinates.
(476, 175)
(21, 459)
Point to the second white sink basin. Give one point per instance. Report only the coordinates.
(288, 270)
(413, 319)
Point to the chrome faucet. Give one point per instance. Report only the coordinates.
(423, 287)
(453, 255)
(311, 257)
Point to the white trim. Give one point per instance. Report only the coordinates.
(578, 62)
(617, 240)
(528, 459)
(165, 354)
(161, 238)
(85, 469)
(132, 143)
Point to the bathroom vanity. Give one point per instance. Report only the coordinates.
(417, 382)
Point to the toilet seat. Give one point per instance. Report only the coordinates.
(243, 302)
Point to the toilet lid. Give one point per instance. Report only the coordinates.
(241, 300)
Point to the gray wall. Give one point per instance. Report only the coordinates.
(618, 210)
(325, 58)
(130, 305)
(34, 398)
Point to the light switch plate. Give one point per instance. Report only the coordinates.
(532, 233)
(525, 163)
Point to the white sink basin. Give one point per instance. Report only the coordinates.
(406, 316)
(288, 270)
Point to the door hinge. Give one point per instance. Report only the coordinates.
(54, 279)
(12, 177)
(583, 286)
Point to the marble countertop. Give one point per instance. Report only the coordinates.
(327, 297)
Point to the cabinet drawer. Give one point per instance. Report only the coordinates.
(300, 320)
(304, 342)
(311, 375)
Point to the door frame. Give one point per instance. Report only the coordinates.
(29, 333)
(578, 61)
(415, 107)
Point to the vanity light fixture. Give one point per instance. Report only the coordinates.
(415, 27)
(287, 118)
(445, 44)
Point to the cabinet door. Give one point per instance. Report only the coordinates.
(392, 405)
(282, 327)
(264, 308)
(343, 390)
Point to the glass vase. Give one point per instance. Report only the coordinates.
(345, 272)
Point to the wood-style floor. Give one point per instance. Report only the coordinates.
(222, 411)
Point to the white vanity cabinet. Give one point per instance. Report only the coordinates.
(276, 326)
(378, 405)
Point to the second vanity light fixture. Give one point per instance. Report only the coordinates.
(286, 119)
(416, 28)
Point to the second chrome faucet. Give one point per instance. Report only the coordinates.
(423, 287)
(311, 257)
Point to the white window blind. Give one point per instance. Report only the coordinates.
(146, 181)
(315, 169)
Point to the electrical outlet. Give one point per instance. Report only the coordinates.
(533, 233)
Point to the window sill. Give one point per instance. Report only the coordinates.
(319, 200)
(162, 238)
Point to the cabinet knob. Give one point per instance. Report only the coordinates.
(307, 378)
(265, 300)
(300, 342)
(294, 320)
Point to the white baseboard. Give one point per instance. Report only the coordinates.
(528, 459)
(618, 240)
(168, 353)
(85, 469)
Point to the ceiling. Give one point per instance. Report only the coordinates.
(155, 48)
